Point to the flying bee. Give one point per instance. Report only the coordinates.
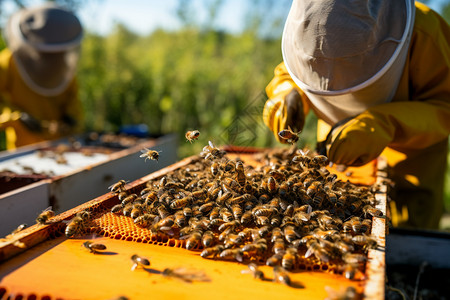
(212, 251)
(255, 271)
(289, 136)
(74, 226)
(354, 258)
(117, 187)
(94, 247)
(45, 215)
(281, 275)
(139, 261)
(192, 135)
(150, 154)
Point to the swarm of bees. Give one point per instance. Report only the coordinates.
(287, 213)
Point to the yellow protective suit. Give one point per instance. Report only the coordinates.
(411, 131)
(51, 112)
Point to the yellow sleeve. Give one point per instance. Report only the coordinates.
(424, 119)
(282, 84)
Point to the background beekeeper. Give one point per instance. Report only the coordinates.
(377, 73)
(38, 90)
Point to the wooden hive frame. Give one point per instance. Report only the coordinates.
(39, 235)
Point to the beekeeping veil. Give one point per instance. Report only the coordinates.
(347, 55)
(45, 42)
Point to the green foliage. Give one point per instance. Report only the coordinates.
(177, 81)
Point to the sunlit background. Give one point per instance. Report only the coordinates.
(177, 65)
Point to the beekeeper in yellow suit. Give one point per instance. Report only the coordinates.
(38, 90)
(377, 75)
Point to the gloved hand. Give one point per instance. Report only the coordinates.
(31, 123)
(358, 140)
(283, 111)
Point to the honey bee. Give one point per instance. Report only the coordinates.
(126, 211)
(246, 217)
(136, 211)
(275, 259)
(372, 211)
(237, 212)
(289, 233)
(255, 271)
(321, 160)
(74, 226)
(45, 215)
(229, 167)
(193, 240)
(366, 225)
(232, 254)
(150, 154)
(367, 242)
(212, 251)
(180, 203)
(289, 259)
(145, 220)
(215, 168)
(315, 249)
(129, 199)
(272, 185)
(289, 136)
(150, 198)
(139, 261)
(192, 135)
(207, 239)
(354, 258)
(240, 173)
(94, 247)
(117, 187)
(258, 247)
(279, 246)
(281, 275)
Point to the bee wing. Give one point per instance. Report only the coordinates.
(47, 209)
(211, 144)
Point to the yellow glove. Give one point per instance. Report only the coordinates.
(357, 141)
(283, 111)
(401, 125)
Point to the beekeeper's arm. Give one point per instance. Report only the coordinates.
(414, 124)
(286, 106)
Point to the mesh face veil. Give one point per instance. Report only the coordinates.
(347, 55)
(45, 43)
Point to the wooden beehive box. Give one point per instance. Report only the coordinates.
(65, 185)
(41, 263)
